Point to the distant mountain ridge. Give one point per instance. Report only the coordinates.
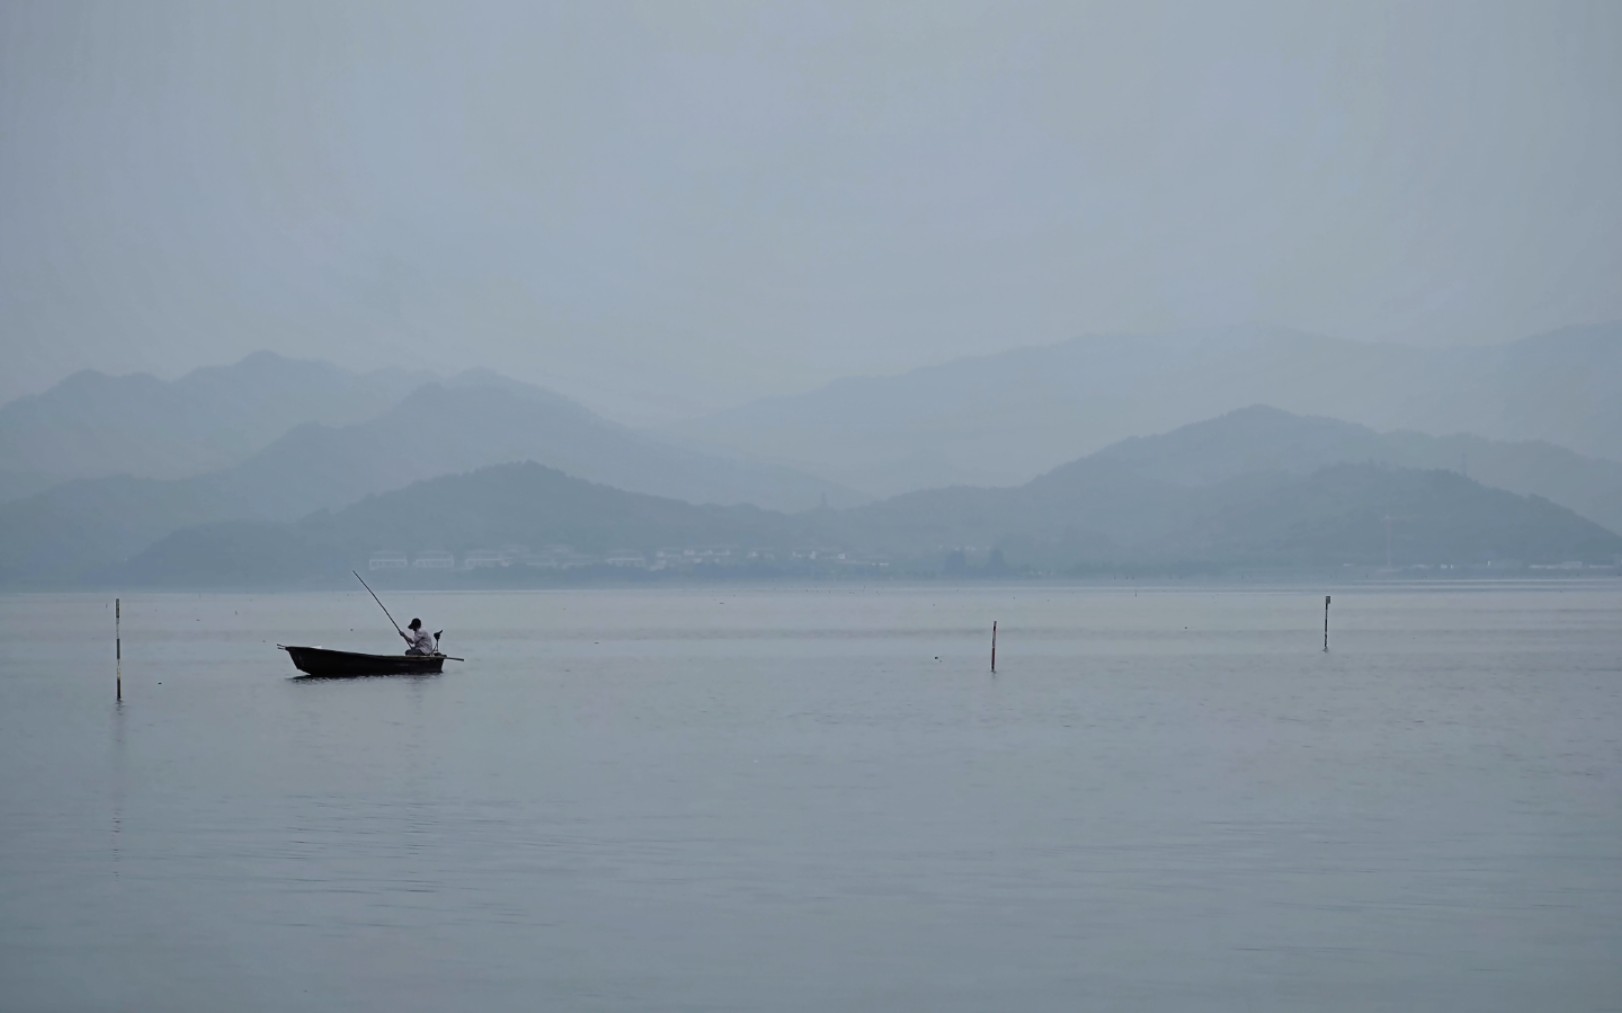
(1264, 439)
(1097, 513)
(92, 424)
(1092, 515)
(525, 503)
(469, 421)
(472, 421)
(1002, 419)
(1265, 487)
(1137, 499)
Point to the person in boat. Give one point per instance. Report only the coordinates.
(420, 641)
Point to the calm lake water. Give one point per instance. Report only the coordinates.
(748, 799)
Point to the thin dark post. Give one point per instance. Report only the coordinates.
(118, 646)
(1326, 624)
(993, 645)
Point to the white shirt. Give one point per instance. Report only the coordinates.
(422, 642)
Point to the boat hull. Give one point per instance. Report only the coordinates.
(340, 664)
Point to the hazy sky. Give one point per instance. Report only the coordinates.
(673, 205)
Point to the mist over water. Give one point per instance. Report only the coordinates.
(731, 798)
(647, 298)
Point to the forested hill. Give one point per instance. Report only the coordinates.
(1089, 516)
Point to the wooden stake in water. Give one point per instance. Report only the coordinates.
(1326, 624)
(118, 646)
(994, 645)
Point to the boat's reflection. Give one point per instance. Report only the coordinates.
(360, 676)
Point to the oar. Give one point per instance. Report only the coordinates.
(379, 601)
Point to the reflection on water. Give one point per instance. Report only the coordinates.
(820, 799)
(407, 676)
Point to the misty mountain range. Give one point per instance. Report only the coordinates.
(1089, 516)
(1001, 419)
(92, 425)
(270, 441)
(1098, 513)
(472, 420)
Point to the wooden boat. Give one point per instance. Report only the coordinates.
(339, 664)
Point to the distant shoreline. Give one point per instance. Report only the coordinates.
(1319, 582)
